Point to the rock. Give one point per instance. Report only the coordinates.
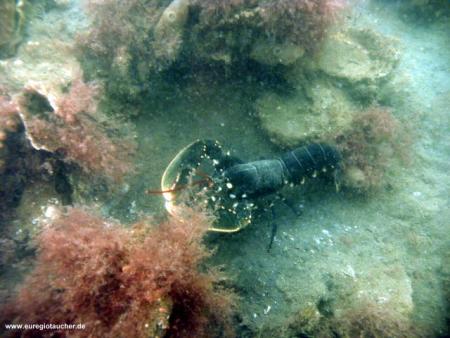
(36, 202)
(355, 177)
(12, 20)
(45, 60)
(317, 110)
(387, 286)
(169, 30)
(274, 54)
(379, 287)
(357, 55)
(351, 69)
(7, 21)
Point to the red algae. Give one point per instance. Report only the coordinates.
(373, 141)
(138, 282)
(73, 127)
(303, 22)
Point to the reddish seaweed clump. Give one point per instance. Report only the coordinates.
(302, 22)
(138, 282)
(374, 140)
(72, 126)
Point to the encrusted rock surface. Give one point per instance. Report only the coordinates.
(351, 68)
(357, 55)
(11, 26)
(318, 111)
(274, 54)
(169, 30)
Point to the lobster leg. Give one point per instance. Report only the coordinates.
(291, 205)
(274, 228)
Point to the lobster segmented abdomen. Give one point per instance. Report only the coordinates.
(308, 160)
(256, 178)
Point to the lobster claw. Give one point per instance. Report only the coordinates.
(193, 178)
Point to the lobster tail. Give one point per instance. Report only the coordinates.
(307, 161)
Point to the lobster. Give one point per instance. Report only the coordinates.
(234, 186)
(263, 177)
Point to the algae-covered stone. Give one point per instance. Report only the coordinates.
(377, 302)
(37, 202)
(169, 30)
(46, 59)
(7, 20)
(358, 55)
(275, 53)
(317, 111)
(387, 286)
(351, 69)
(9, 25)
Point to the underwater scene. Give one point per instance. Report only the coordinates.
(225, 168)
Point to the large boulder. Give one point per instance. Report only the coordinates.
(361, 58)
(316, 111)
(351, 69)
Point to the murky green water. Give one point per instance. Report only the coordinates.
(368, 259)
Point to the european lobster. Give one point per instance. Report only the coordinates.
(234, 186)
